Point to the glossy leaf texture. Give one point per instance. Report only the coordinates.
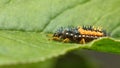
(24, 25)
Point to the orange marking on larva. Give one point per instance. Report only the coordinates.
(88, 32)
(82, 31)
(85, 32)
(93, 33)
(99, 34)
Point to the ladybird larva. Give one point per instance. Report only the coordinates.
(78, 34)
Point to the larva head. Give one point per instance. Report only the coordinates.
(58, 32)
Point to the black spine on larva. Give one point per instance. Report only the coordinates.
(87, 28)
(90, 28)
(75, 31)
(84, 27)
(68, 32)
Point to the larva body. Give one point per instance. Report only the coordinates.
(78, 34)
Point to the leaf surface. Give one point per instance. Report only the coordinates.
(24, 25)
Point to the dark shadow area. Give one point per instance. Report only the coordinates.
(72, 60)
(105, 60)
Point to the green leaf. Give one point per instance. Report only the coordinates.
(22, 47)
(24, 25)
(107, 45)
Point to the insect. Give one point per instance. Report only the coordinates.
(78, 34)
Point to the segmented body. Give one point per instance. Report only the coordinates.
(78, 34)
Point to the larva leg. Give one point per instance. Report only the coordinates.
(66, 40)
(82, 41)
(56, 38)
